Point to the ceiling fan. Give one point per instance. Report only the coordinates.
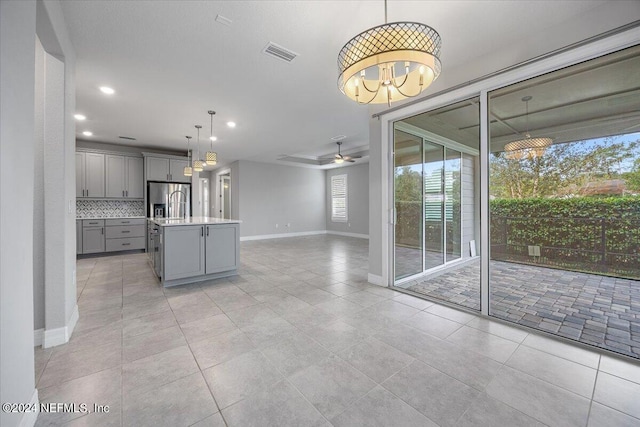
(340, 158)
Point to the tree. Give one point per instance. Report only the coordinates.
(633, 178)
(563, 168)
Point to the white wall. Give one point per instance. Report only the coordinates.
(274, 194)
(357, 200)
(17, 56)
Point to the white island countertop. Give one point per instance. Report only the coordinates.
(194, 220)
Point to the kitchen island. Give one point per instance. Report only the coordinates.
(194, 249)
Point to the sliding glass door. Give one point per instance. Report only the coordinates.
(427, 201)
(436, 204)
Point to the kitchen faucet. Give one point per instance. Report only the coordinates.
(180, 202)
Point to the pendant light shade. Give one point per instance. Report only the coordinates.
(527, 147)
(389, 62)
(188, 170)
(211, 157)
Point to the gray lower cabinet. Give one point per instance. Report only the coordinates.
(183, 250)
(93, 239)
(222, 252)
(78, 237)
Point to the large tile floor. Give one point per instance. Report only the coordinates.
(300, 339)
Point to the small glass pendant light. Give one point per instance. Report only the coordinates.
(188, 170)
(211, 157)
(198, 165)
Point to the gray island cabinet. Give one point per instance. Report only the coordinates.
(196, 249)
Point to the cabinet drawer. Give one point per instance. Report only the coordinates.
(93, 222)
(121, 231)
(125, 244)
(126, 221)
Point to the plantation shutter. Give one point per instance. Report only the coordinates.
(339, 198)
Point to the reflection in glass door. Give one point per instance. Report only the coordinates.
(408, 205)
(434, 226)
(427, 202)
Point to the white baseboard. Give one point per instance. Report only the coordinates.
(342, 233)
(29, 418)
(58, 336)
(283, 235)
(375, 279)
(38, 337)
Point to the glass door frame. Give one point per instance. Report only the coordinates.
(612, 41)
(446, 144)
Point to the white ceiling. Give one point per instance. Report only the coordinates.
(170, 62)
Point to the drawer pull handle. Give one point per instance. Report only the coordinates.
(125, 222)
(126, 244)
(126, 231)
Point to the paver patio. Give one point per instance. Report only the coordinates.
(593, 309)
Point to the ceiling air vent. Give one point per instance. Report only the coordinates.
(130, 138)
(279, 52)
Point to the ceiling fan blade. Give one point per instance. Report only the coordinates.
(349, 160)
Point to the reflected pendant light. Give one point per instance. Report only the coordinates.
(389, 62)
(198, 165)
(188, 170)
(527, 147)
(211, 157)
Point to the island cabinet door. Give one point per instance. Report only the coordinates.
(222, 248)
(183, 249)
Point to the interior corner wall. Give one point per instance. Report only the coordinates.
(38, 192)
(17, 56)
(55, 225)
(272, 196)
(375, 197)
(235, 190)
(59, 172)
(357, 199)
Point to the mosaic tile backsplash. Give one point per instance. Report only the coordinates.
(109, 208)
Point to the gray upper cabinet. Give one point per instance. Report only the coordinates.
(90, 175)
(115, 175)
(135, 177)
(124, 177)
(176, 170)
(166, 169)
(80, 190)
(157, 169)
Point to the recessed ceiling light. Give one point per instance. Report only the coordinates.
(87, 133)
(107, 90)
(231, 124)
(80, 117)
(213, 138)
(339, 137)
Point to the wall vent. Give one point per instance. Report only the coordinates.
(130, 138)
(279, 52)
(223, 20)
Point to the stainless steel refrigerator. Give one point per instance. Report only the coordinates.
(166, 200)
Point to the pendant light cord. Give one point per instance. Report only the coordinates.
(385, 12)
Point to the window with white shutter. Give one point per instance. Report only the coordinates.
(339, 198)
